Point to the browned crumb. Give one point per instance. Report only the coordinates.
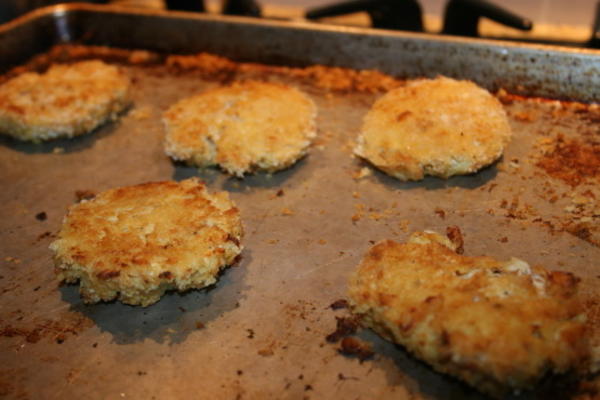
(356, 347)
(41, 216)
(344, 326)
(341, 303)
(440, 212)
(455, 235)
(286, 211)
(84, 194)
(571, 160)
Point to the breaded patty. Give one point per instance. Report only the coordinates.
(440, 127)
(497, 325)
(65, 101)
(134, 243)
(246, 127)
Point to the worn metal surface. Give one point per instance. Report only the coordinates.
(544, 70)
(260, 332)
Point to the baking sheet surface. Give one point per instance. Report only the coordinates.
(260, 331)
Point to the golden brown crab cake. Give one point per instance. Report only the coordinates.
(65, 101)
(440, 127)
(497, 325)
(246, 127)
(134, 243)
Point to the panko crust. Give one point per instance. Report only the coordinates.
(134, 243)
(246, 127)
(440, 127)
(497, 325)
(65, 101)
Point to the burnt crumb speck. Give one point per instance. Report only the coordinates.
(142, 373)
(200, 325)
(239, 372)
(338, 304)
(352, 346)
(345, 326)
(250, 333)
(307, 388)
(280, 193)
(60, 339)
(35, 289)
(95, 345)
(41, 216)
(181, 309)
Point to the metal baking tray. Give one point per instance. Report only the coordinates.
(260, 332)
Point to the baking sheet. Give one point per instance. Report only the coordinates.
(260, 331)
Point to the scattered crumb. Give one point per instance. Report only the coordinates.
(273, 241)
(356, 195)
(341, 303)
(571, 160)
(356, 347)
(200, 325)
(322, 241)
(455, 235)
(41, 216)
(58, 150)
(440, 212)
(265, 352)
(286, 211)
(344, 326)
(503, 239)
(362, 173)
(85, 194)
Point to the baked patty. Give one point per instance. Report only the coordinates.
(440, 127)
(497, 325)
(65, 101)
(134, 243)
(246, 127)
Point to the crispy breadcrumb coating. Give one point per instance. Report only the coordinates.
(497, 325)
(246, 127)
(440, 127)
(65, 101)
(134, 243)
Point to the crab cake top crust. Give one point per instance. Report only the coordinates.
(498, 325)
(136, 242)
(65, 101)
(246, 127)
(440, 127)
